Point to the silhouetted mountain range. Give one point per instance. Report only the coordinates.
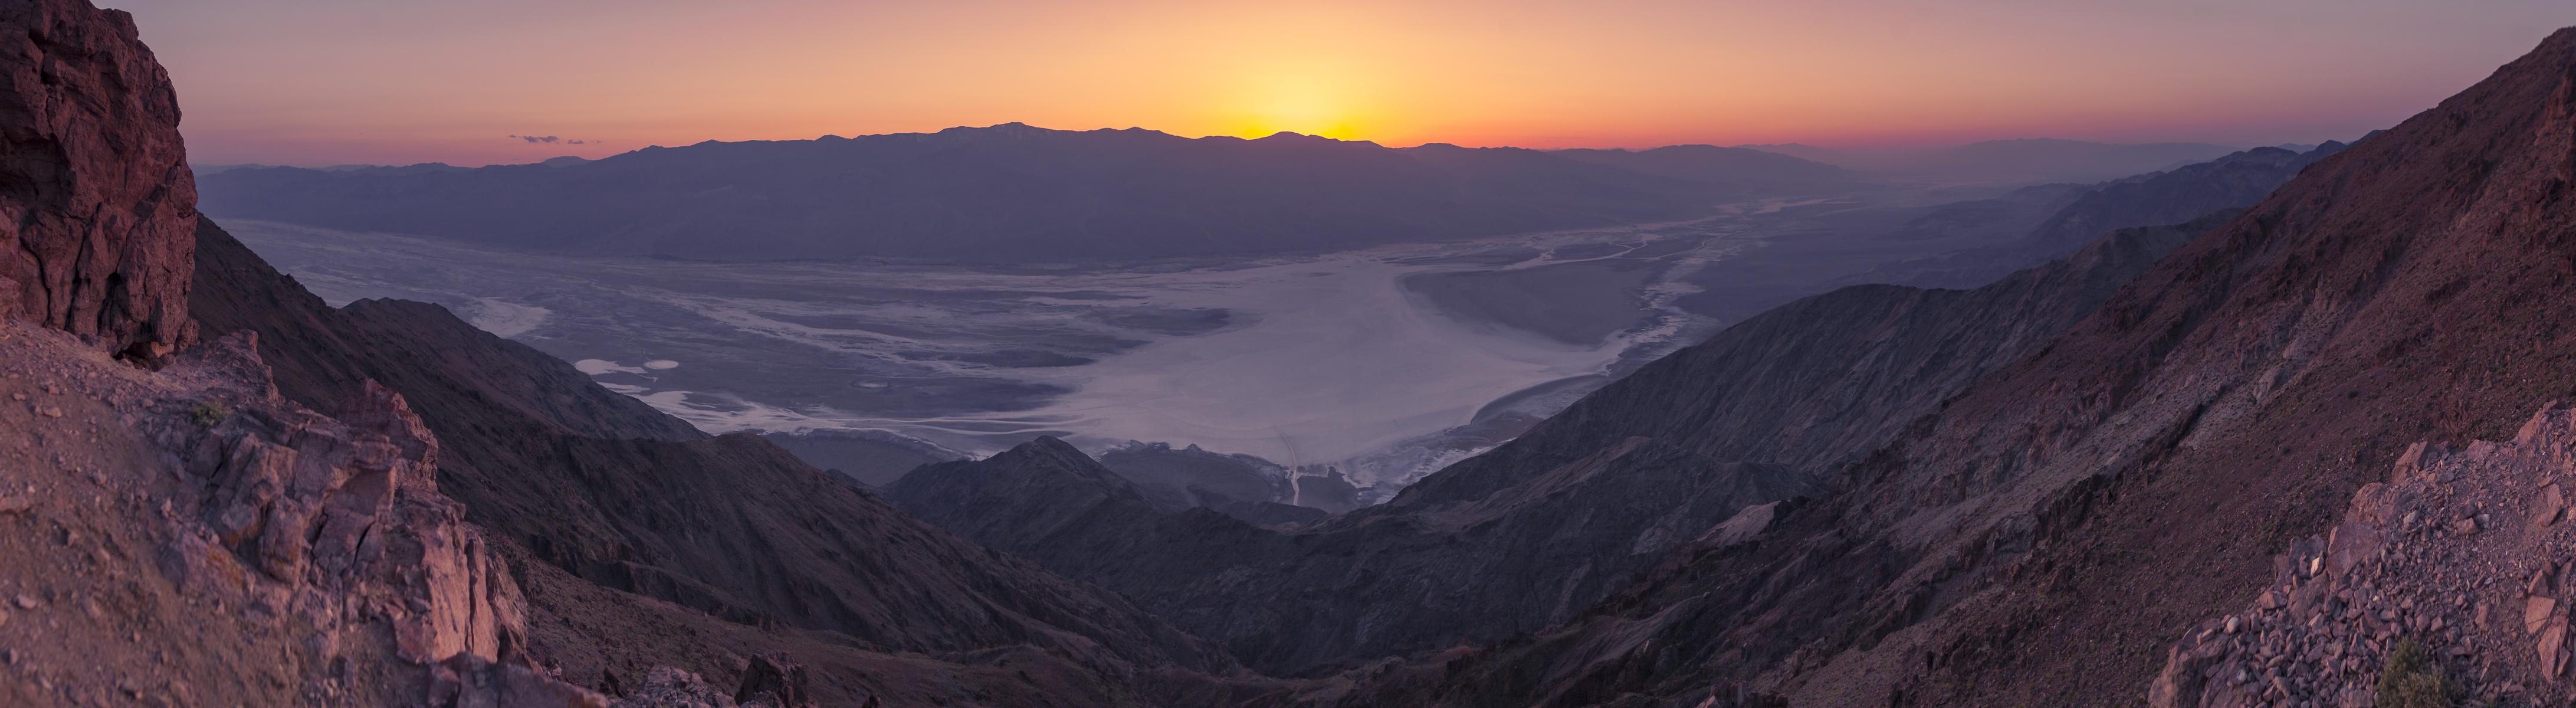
(2024, 160)
(1012, 192)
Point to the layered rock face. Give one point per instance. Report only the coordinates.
(345, 507)
(97, 206)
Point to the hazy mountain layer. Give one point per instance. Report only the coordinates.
(1010, 194)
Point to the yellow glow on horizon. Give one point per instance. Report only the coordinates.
(291, 81)
(1306, 101)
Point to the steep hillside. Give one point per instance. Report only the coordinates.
(1006, 193)
(1819, 382)
(1350, 588)
(730, 525)
(2044, 538)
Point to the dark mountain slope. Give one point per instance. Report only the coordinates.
(1354, 587)
(1567, 512)
(731, 525)
(1818, 382)
(999, 194)
(1242, 486)
(2232, 182)
(2045, 536)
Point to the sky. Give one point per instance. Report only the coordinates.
(321, 82)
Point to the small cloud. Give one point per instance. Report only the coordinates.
(553, 140)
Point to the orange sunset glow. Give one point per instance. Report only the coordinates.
(302, 83)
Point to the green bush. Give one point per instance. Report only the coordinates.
(209, 413)
(2410, 679)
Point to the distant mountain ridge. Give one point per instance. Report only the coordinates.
(2235, 181)
(1012, 193)
(2017, 160)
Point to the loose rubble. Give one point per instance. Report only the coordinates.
(2466, 552)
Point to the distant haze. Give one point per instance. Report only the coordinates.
(492, 81)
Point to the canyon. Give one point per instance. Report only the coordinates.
(2284, 427)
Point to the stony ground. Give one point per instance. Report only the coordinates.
(85, 618)
(183, 537)
(2464, 553)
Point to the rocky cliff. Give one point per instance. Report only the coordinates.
(95, 193)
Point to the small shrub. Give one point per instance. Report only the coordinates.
(2410, 679)
(209, 413)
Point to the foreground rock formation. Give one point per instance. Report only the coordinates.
(197, 506)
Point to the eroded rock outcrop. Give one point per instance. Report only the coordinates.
(97, 205)
(341, 518)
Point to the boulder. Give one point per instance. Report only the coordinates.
(774, 680)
